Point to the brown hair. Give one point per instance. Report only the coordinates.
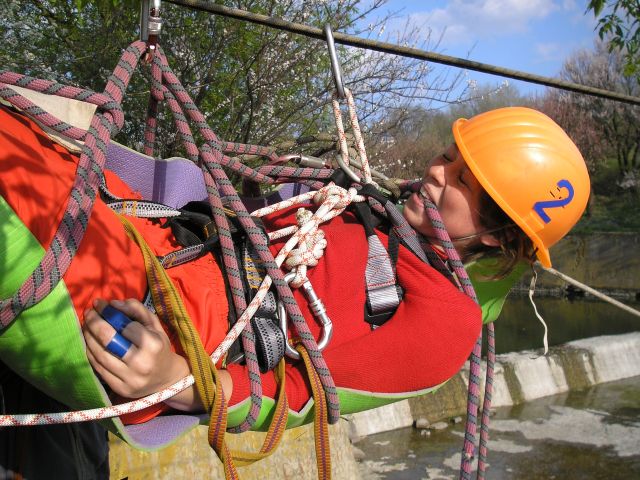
(514, 245)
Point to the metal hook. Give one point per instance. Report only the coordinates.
(318, 310)
(335, 64)
(150, 23)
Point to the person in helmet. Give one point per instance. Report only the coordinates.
(510, 186)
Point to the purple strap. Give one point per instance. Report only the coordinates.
(177, 181)
(173, 182)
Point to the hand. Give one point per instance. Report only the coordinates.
(150, 365)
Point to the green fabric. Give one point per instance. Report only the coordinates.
(44, 344)
(351, 401)
(492, 293)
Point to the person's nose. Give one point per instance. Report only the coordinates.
(437, 172)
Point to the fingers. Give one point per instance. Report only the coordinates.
(148, 364)
(145, 332)
(137, 311)
(97, 334)
(98, 331)
(104, 372)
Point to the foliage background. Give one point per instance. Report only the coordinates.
(264, 86)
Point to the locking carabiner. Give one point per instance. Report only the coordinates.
(317, 308)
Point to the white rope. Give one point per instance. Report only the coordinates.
(592, 291)
(532, 287)
(344, 148)
(333, 200)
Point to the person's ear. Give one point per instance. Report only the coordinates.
(489, 240)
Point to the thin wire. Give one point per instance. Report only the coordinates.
(591, 291)
(409, 52)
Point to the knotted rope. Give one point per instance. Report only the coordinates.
(71, 230)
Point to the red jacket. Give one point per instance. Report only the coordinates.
(425, 342)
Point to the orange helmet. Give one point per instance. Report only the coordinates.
(530, 167)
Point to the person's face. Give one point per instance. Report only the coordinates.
(456, 192)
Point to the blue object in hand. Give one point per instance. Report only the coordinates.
(118, 345)
(115, 318)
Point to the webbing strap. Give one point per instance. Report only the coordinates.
(171, 311)
(380, 277)
(321, 420)
(277, 427)
(142, 209)
(382, 294)
(404, 231)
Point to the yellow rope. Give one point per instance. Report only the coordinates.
(321, 422)
(171, 311)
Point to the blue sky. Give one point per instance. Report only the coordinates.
(534, 36)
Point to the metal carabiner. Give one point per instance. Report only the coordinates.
(302, 160)
(150, 25)
(335, 64)
(317, 308)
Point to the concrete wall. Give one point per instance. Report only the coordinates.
(192, 458)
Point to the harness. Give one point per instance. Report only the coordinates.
(203, 233)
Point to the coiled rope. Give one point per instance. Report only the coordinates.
(71, 230)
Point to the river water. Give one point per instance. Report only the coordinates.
(518, 329)
(592, 434)
(589, 434)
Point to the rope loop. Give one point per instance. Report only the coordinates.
(344, 161)
(338, 197)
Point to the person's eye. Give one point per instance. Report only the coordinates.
(447, 158)
(461, 179)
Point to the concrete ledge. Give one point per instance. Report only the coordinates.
(519, 377)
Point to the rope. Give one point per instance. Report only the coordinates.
(57, 262)
(473, 398)
(166, 86)
(332, 199)
(71, 230)
(592, 291)
(344, 148)
(402, 51)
